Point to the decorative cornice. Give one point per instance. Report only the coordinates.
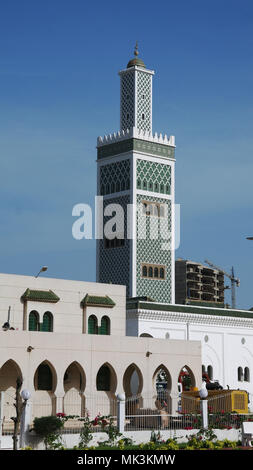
(170, 316)
(135, 133)
(140, 305)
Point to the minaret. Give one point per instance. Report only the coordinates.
(136, 171)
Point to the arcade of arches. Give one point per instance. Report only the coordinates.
(74, 398)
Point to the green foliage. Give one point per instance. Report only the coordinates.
(86, 432)
(47, 425)
(49, 428)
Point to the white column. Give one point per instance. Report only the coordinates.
(1, 415)
(121, 404)
(24, 424)
(204, 411)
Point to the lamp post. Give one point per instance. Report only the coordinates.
(203, 393)
(43, 269)
(25, 417)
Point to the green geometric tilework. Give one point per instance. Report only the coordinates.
(150, 251)
(127, 100)
(114, 263)
(155, 177)
(115, 177)
(144, 118)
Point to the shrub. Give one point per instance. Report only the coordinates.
(49, 427)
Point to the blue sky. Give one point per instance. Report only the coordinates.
(59, 90)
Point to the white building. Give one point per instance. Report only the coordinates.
(67, 341)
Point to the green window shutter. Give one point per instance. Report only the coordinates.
(105, 326)
(104, 379)
(45, 378)
(33, 321)
(92, 325)
(47, 324)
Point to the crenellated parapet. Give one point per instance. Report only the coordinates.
(136, 133)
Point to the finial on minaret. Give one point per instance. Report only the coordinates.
(136, 52)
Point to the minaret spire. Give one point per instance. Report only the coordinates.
(136, 52)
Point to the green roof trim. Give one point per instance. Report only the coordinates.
(222, 312)
(97, 300)
(40, 296)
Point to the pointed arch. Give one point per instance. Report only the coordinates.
(9, 372)
(74, 376)
(132, 380)
(106, 379)
(162, 386)
(162, 378)
(45, 377)
(74, 383)
(186, 378)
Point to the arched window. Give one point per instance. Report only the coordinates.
(117, 187)
(105, 326)
(161, 273)
(138, 183)
(150, 185)
(203, 369)
(210, 372)
(47, 324)
(104, 379)
(246, 374)
(112, 187)
(144, 184)
(150, 271)
(162, 188)
(107, 189)
(45, 378)
(156, 272)
(167, 189)
(33, 321)
(144, 271)
(123, 185)
(92, 325)
(240, 374)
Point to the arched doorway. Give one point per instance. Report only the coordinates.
(74, 384)
(162, 388)
(9, 373)
(132, 381)
(45, 381)
(106, 384)
(186, 379)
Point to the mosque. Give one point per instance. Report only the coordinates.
(72, 341)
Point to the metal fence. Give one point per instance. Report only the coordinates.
(141, 412)
(153, 412)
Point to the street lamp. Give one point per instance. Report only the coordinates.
(43, 269)
(25, 418)
(203, 393)
(25, 394)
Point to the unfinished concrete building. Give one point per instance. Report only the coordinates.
(197, 284)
